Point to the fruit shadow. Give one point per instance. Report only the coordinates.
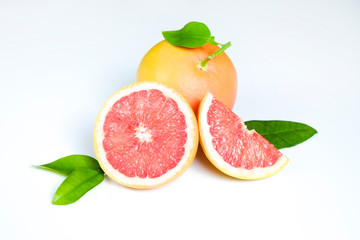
(204, 163)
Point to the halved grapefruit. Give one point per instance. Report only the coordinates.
(231, 147)
(145, 135)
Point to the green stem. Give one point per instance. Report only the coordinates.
(203, 63)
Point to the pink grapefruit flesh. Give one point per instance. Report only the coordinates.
(231, 147)
(145, 135)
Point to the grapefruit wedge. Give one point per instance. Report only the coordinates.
(231, 147)
(145, 135)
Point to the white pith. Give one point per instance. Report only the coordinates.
(218, 160)
(143, 133)
(146, 136)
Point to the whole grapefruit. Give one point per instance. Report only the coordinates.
(178, 68)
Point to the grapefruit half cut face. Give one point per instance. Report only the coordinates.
(145, 135)
(231, 147)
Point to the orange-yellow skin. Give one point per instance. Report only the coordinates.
(177, 68)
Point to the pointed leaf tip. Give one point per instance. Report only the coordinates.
(77, 184)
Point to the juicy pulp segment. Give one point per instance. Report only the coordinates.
(238, 146)
(144, 134)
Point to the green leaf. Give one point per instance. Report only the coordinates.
(282, 134)
(192, 35)
(70, 163)
(79, 182)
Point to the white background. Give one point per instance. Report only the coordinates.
(296, 60)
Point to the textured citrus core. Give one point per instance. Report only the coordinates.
(144, 134)
(235, 144)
